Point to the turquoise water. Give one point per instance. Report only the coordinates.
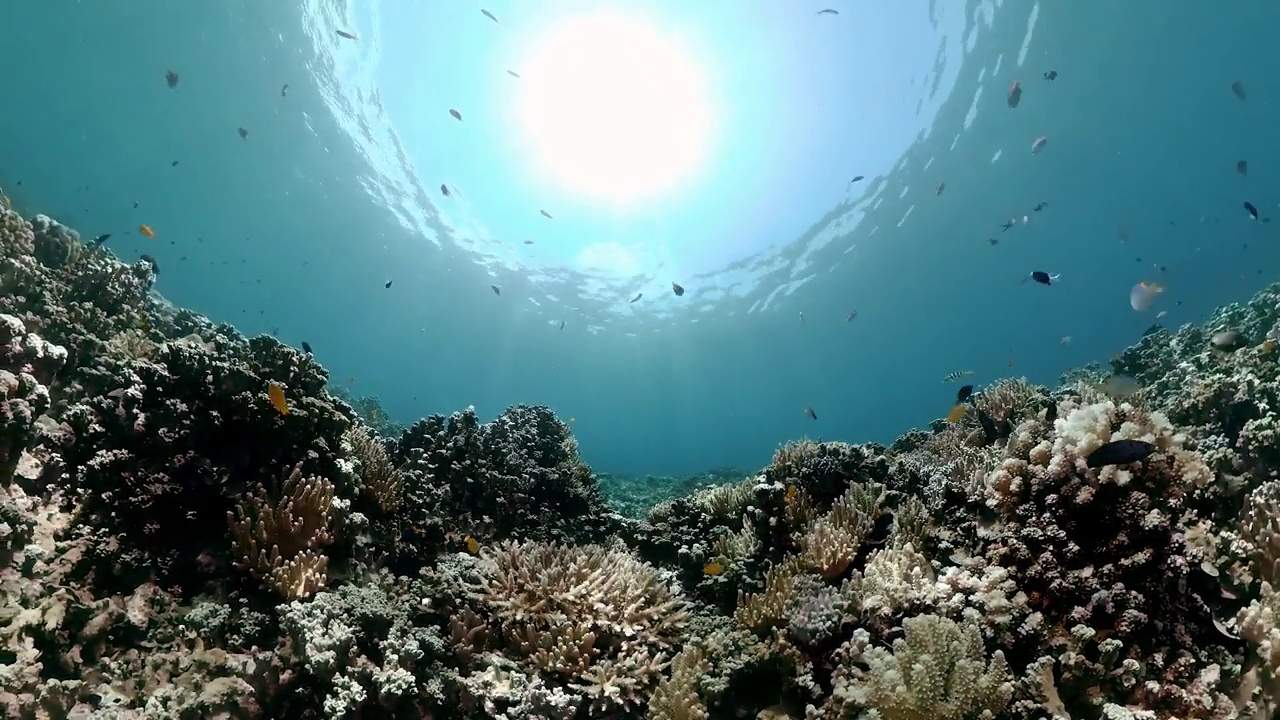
(297, 229)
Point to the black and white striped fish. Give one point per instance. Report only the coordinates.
(954, 376)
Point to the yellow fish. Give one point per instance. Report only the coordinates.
(473, 547)
(146, 231)
(957, 412)
(712, 569)
(275, 393)
(1268, 345)
(791, 494)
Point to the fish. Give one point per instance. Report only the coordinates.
(1040, 206)
(1249, 208)
(809, 411)
(958, 411)
(528, 242)
(489, 15)
(1038, 144)
(173, 164)
(135, 204)
(677, 289)
(284, 90)
(956, 375)
(244, 134)
(1050, 410)
(1228, 340)
(856, 178)
(801, 317)
(964, 393)
(1237, 87)
(306, 347)
(1119, 387)
(992, 241)
(712, 569)
(637, 297)
(941, 186)
(347, 35)
(1015, 94)
(852, 316)
(496, 290)
(513, 73)
(1142, 295)
(1064, 340)
(146, 231)
(828, 11)
(1120, 452)
(171, 79)
(275, 394)
(444, 189)
(100, 239)
(456, 115)
(1242, 167)
(546, 214)
(561, 324)
(1051, 75)
(790, 495)
(472, 546)
(1043, 277)
(388, 285)
(1004, 227)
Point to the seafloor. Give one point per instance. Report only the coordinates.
(173, 546)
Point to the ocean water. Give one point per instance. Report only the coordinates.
(296, 230)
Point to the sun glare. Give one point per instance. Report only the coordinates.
(614, 108)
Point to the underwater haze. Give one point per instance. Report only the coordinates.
(604, 151)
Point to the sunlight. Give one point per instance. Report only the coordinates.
(614, 108)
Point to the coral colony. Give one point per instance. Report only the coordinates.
(180, 542)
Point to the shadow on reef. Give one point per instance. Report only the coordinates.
(175, 545)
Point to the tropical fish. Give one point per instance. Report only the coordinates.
(275, 394)
(146, 231)
(856, 178)
(1043, 277)
(1249, 208)
(1038, 144)
(1242, 167)
(444, 189)
(171, 78)
(306, 347)
(637, 297)
(1120, 452)
(472, 546)
(941, 186)
(1228, 340)
(528, 242)
(677, 289)
(546, 214)
(1237, 87)
(957, 412)
(964, 393)
(148, 259)
(1142, 295)
(173, 164)
(100, 239)
(956, 375)
(809, 411)
(284, 90)
(347, 35)
(244, 134)
(712, 569)
(852, 316)
(828, 11)
(790, 495)
(1050, 410)
(513, 73)
(1015, 94)
(496, 290)
(1051, 75)
(489, 15)
(388, 285)
(456, 115)
(1119, 387)
(561, 324)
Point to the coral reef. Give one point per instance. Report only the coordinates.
(175, 545)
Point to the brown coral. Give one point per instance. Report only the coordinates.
(279, 538)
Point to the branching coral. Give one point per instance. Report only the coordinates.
(380, 476)
(280, 537)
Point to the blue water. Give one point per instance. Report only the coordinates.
(297, 229)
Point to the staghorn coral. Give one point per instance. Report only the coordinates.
(280, 538)
(676, 698)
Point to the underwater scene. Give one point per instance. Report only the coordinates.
(576, 359)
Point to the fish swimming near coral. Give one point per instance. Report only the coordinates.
(1120, 452)
(964, 393)
(171, 79)
(958, 411)
(306, 347)
(546, 214)
(1015, 94)
(244, 134)
(496, 290)
(347, 35)
(1142, 295)
(100, 239)
(1228, 341)
(489, 15)
(712, 569)
(637, 297)
(146, 231)
(956, 375)
(275, 394)
(456, 115)
(677, 289)
(472, 545)
(810, 412)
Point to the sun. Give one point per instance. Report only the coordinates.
(614, 108)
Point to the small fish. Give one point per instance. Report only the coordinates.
(856, 178)
(528, 242)
(1004, 227)
(992, 241)
(347, 35)
(284, 90)
(489, 15)
(561, 324)
(444, 189)
(828, 11)
(941, 186)
(146, 231)
(1015, 94)
(1228, 340)
(956, 375)
(1050, 410)
(1249, 208)
(171, 78)
(1038, 144)
(388, 285)
(712, 569)
(1064, 340)
(1043, 277)
(546, 214)
(173, 164)
(472, 546)
(790, 495)
(1143, 295)
(456, 115)
(677, 289)
(637, 297)
(809, 411)
(513, 73)
(1242, 167)
(496, 290)
(1040, 206)
(1237, 87)
(1119, 387)
(275, 394)
(244, 134)
(801, 317)
(964, 393)
(135, 204)
(852, 316)
(306, 347)
(1051, 75)
(1268, 346)
(957, 412)
(1120, 452)
(100, 239)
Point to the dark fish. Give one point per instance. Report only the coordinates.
(444, 189)
(171, 78)
(306, 347)
(1042, 277)
(496, 290)
(1228, 340)
(1237, 87)
(284, 90)
(809, 411)
(941, 186)
(965, 392)
(1050, 410)
(561, 324)
(677, 289)
(988, 426)
(388, 285)
(1120, 452)
(856, 178)
(1051, 75)
(100, 239)
(513, 73)
(1242, 167)
(546, 214)
(456, 115)
(1004, 227)
(993, 241)
(852, 316)
(244, 134)
(173, 164)
(148, 259)
(828, 11)
(489, 15)
(1040, 206)
(528, 242)
(1249, 208)
(1015, 94)
(637, 297)
(347, 35)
